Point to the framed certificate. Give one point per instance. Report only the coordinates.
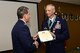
(45, 36)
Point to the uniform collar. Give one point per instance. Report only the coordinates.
(24, 21)
(52, 18)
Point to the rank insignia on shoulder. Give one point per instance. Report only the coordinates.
(45, 28)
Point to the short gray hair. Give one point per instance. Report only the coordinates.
(21, 11)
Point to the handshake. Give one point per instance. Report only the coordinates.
(35, 37)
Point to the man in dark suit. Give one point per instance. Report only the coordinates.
(58, 26)
(21, 37)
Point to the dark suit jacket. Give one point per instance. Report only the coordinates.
(21, 38)
(56, 46)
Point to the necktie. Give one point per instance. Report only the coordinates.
(50, 23)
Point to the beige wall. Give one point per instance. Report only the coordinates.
(8, 18)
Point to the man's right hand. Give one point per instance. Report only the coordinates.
(36, 43)
(35, 37)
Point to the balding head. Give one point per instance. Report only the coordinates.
(51, 6)
(50, 10)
